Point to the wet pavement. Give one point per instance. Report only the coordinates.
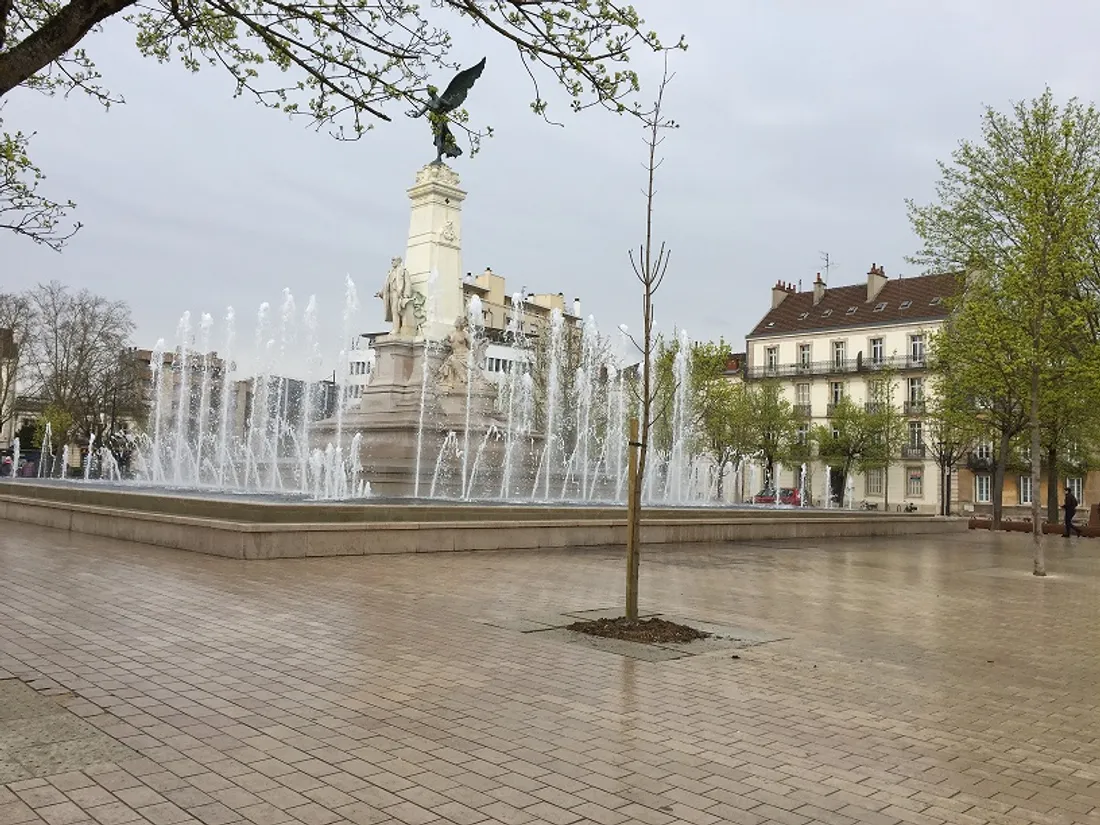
(921, 680)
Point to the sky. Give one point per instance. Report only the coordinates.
(803, 128)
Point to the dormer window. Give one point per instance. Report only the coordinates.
(905, 305)
(803, 316)
(880, 307)
(851, 311)
(935, 301)
(771, 324)
(826, 313)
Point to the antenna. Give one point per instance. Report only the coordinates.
(828, 264)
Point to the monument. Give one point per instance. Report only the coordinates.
(427, 392)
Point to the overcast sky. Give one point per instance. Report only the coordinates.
(804, 127)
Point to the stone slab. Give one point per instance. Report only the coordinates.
(39, 737)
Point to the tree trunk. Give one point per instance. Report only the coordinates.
(999, 479)
(1052, 485)
(633, 520)
(947, 492)
(1039, 568)
(886, 487)
(721, 487)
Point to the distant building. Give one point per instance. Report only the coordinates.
(830, 343)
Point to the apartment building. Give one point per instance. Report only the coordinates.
(830, 343)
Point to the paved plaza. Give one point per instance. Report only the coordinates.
(926, 680)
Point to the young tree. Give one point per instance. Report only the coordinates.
(650, 267)
(722, 412)
(888, 424)
(344, 67)
(1022, 205)
(849, 441)
(775, 425)
(950, 433)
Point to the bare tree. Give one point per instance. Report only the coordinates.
(650, 267)
(16, 321)
(77, 350)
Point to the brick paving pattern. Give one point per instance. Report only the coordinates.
(924, 681)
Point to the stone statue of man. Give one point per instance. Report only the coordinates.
(396, 294)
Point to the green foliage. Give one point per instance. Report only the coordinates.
(1020, 212)
(60, 422)
(23, 209)
(775, 424)
(851, 440)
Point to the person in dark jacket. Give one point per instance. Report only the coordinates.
(1070, 506)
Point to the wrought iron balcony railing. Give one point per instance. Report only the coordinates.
(835, 366)
(912, 451)
(914, 407)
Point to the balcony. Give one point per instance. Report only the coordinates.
(802, 410)
(874, 407)
(979, 463)
(914, 407)
(835, 367)
(912, 451)
(830, 408)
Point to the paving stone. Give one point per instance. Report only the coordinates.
(914, 681)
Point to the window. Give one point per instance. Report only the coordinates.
(916, 435)
(851, 311)
(836, 391)
(914, 487)
(1025, 490)
(935, 301)
(878, 351)
(826, 313)
(982, 489)
(803, 434)
(804, 356)
(840, 351)
(916, 390)
(1078, 488)
(879, 307)
(802, 316)
(802, 394)
(905, 305)
(985, 451)
(916, 348)
(771, 358)
(874, 481)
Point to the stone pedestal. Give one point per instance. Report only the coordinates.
(433, 256)
(389, 419)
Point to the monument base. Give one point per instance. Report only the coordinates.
(417, 437)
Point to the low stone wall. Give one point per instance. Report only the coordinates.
(262, 530)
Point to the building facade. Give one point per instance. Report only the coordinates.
(827, 344)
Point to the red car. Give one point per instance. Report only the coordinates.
(787, 495)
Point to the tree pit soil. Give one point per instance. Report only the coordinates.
(646, 631)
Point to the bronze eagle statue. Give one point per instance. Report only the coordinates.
(439, 106)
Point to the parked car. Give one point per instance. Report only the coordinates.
(787, 495)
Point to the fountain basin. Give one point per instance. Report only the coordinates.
(255, 528)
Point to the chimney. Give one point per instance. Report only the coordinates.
(819, 289)
(876, 280)
(779, 292)
(577, 307)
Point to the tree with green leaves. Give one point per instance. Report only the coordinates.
(978, 370)
(722, 410)
(888, 425)
(345, 67)
(1019, 209)
(850, 440)
(950, 433)
(775, 425)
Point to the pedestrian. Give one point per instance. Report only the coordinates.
(1070, 506)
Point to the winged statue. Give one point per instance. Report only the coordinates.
(440, 105)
